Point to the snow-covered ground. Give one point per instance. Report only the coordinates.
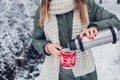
(107, 57)
(16, 24)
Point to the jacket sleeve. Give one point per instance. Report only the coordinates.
(38, 36)
(102, 17)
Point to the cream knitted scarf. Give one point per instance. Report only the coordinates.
(84, 60)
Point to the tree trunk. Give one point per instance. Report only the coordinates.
(118, 1)
(100, 1)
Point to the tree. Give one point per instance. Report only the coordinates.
(118, 1)
(100, 1)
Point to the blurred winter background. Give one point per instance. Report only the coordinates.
(16, 25)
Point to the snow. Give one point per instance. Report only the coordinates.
(16, 25)
(107, 57)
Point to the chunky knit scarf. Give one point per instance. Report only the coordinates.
(84, 60)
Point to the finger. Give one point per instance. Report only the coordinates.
(58, 47)
(58, 52)
(82, 34)
(92, 33)
(95, 31)
(88, 34)
(57, 57)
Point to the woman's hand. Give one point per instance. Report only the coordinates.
(54, 49)
(90, 33)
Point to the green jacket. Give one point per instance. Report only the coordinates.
(97, 15)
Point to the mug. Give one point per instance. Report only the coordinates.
(67, 58)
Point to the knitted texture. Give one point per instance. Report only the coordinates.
(84, 60)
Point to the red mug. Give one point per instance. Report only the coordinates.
(67, 58)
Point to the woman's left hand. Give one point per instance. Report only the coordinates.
(90, 33)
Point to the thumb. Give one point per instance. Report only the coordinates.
(81, 35)
(58, 47)
(57, 55)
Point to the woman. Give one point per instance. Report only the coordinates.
(59, 21)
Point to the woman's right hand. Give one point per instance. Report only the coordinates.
(54, 49)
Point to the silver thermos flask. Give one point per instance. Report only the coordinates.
(109, 35)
